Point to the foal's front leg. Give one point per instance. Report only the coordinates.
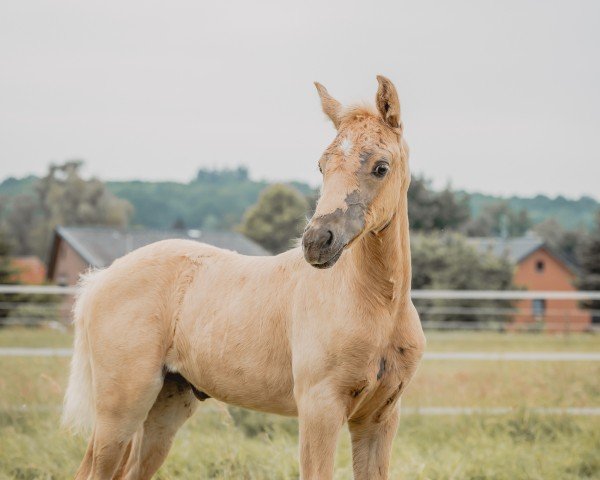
(321, 416)
(372, 446)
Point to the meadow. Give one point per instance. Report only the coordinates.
(221, 442)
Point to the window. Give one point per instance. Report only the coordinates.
(539, 266)
(538, 307)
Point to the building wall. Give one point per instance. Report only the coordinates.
(31, 270)
(69, 265)
(559, 315)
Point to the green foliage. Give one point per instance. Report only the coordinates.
(6, 270)
(570, 214)
(215, 200)
(277, 218)
(225, 176)
(67, 199)
(499, 220)
(429, 210)
(448, 262)
(7, 276)
(12, 186)
(589, 260)
(62, 197)
(568, 242)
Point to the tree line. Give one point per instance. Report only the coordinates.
(274, 216)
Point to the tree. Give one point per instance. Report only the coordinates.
(429, 210)
(7, 275)
(499, 220)
(448, 262)
(62, 197)
(224, 176)
(277, 218)
(178, 224)
(21, 223)
(589, 260)
(567, 242)
(7, 272)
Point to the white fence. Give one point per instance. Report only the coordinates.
(439, 309)
(34, 305)
(460, 356)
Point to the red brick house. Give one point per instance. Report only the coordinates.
(75, 249)
(540, 268)
(30, 270)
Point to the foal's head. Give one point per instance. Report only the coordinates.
(365, 173)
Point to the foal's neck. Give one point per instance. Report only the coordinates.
(382, 263)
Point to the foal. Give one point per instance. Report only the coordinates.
(327, 331)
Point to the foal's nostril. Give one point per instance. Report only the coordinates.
(329, 240)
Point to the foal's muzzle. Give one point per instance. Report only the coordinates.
(321, 246)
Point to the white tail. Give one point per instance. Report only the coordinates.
(78, 409)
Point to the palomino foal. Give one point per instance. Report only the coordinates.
(327, 331)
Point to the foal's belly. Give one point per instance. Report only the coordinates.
(237, 379)
(231, 342)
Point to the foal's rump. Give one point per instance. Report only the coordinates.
(124, 320)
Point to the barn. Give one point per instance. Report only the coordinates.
(76, 249)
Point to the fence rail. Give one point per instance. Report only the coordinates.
(503, 295)
(416, 294)
(439, 309)
(453, 356)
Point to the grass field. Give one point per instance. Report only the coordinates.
(228, 443)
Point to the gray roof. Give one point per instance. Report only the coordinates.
(513, 249)
(100, 246)
(517, 249)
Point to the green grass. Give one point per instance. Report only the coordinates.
(213, 445)
(226, 443)
(32, 337)
(436, 341)
(501, 342)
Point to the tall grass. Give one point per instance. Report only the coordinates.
(219, 445)
(230, 443)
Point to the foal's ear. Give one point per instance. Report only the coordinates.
(331, 107)
(388, 103)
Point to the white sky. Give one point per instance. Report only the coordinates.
(500, 97)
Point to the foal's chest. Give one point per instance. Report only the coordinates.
(393, 368)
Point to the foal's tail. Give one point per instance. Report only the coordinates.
(78, 409)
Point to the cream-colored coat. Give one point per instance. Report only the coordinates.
(274, 334)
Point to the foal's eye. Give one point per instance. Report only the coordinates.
(319, 167)
(381, 170)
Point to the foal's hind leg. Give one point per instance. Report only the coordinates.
(126, 385)
(151, 444)
(116, 422)
(117, 419)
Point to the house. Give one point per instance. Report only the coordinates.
(75, 249)
(539, 268)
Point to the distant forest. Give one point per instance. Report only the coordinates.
(217, 199)
(570, 214)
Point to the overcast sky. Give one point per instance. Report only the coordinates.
(499, 97)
